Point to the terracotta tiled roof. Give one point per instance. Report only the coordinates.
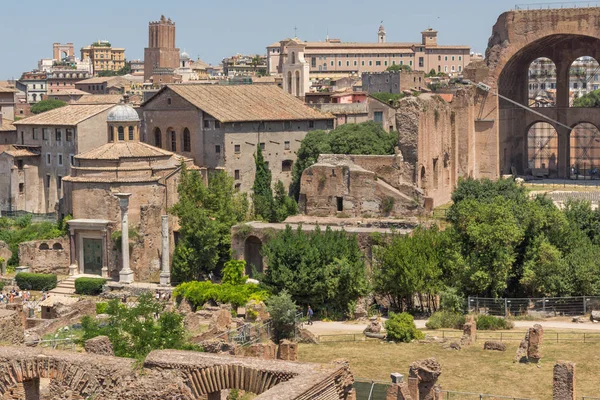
(7, 125)
(6, 89)
(109, 80)
(117, 150)
(448, 97)
(69, 115)
(67, 92)
(100, 99)
(16, 150)
(238, 103)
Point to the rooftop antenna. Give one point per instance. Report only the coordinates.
(295, 31)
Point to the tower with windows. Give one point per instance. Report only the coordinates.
(123, 124)
(296, 70)
(381, 34)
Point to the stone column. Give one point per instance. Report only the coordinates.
(126, 274)
(564, 381)
(105, 254)
(165, 273)
(73, 265)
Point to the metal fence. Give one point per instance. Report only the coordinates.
(553, 337)
(370, 390)
(449, 395)
(248, 334)
(67, 344)
(561, 4)
(544, 306)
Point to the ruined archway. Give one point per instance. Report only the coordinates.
(542, 150)
(585, 150)
(252, 255)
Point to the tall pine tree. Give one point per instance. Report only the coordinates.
(263, 194)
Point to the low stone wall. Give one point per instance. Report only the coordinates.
(11, 327)
(46, 256)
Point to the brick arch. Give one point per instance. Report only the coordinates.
(216, 378)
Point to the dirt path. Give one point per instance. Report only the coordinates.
(334, 328)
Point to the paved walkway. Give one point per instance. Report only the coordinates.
(333, 328)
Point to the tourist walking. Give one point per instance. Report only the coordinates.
(309, 315)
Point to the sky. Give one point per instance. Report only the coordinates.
(213, 30)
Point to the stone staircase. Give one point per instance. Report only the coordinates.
(65, 287)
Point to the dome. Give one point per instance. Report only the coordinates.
(123, 113)
(185, 55)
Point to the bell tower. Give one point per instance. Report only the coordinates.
(381, 34)
(161, 51)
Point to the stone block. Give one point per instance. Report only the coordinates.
(398, 391)
(99, 345)
(536, 337)
(11, 327)
(264, 351)
(494, 345)
(287, 351)
(563, 387)
(595, 316)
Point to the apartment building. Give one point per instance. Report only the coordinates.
(103, 56)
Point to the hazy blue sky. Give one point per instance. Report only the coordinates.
(216, 29)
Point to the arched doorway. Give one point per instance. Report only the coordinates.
(252, 255)
(157, 137)
(542, 150)
(585, 150)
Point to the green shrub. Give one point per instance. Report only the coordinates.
(401, 328)
(233, 272)
(283, 314)
(199, 293)
(445, 319)
(491, 323)
(2, 284)
(450, 300)
(89, 286)
(101, 308)
(30, 281)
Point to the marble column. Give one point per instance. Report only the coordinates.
(165, 273)
(73, 265)
(126, 274)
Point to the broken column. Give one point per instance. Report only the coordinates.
(165, 273)
(564, 381)
(399, 388)
(536, 336)
(126, 274)
(426, 372)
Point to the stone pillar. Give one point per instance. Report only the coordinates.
(564, 381)
(536, 337)
(126, 274)
(165, 273)
(73, 267)
(105, 254)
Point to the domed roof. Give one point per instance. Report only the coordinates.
(185, 55)
(123, 113)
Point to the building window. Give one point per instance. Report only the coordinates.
(237, 149)
(370, 63)
(329, 124)
(286, 145)
(48, 180)
(459, 58)
(439, 58)
(332, 64)
(59, 182)
(236, 174)
(206, 124)
(131, 133)
(421, 62)
(311, 124)
(173, 141)
(217, 124)
(286, 165)
(58, 135)
(340, 203)
(362, 63)
(69, 133)
(48, 159)
(313, 62)
(72, 158)
(60, 159)
(378, 116)
(121, 133)
(21, 187)
(157, 137)
(287, 125)
(262, 146)
(452, 58)
(169, 101)
(355, 63)
(446, 58)
(377, 63)
(218, 149)
(34, 134)
(187, 145)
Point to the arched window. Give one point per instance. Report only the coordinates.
(131, 133)
(298, 84)
(187, 145)
(44, 246)
(173, 140)
(542, 149)
(57, 246)
(289, 85)
(112, 133)
(121, 132)
(293, 57)
(157, 137)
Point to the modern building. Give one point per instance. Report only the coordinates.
(58, 135)
(61, 79)
(220, 126)
(161, 52)
(34, 85)
(66, 95)
(244, 65)
(19, 178)
(334, 57)
(103, 56)
(137, 67)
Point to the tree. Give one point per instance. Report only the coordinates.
(284, 205)
(47, 105)
(262, 194)
(256, 61)
(233, 272)
(591, 99)
(545, 272)
(322, 268)
(206, 215)
(123, 71)
(368, 138)
(409, 265)
(135, 331)
(398, 67)
(282, 309)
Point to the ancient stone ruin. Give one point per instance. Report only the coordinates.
(166, 374)
(563, 387)
(11, 327)
(494, 345)
(422, 382)
(469, 332)
(99, 345)
(530, 348)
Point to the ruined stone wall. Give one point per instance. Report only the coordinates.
(46, 256)
(11, 327)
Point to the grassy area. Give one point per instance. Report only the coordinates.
(468, 370)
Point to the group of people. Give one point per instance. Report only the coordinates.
(10, 297)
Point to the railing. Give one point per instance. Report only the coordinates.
(367, 389)
(447, 394)
(67, 344)
(554, 5)
(247, 334)
(580, 305)
(554, 337)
